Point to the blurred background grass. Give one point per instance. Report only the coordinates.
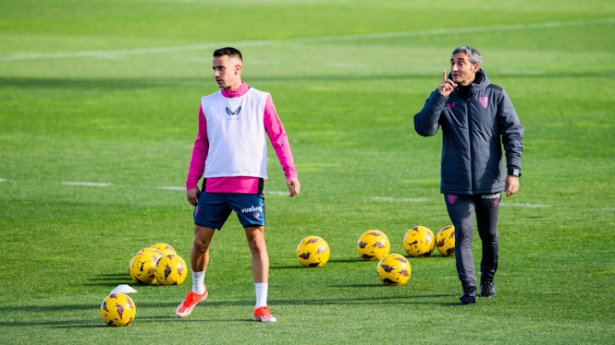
(108, 92)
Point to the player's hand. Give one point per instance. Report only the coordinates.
(512, 185)
(193, 195)
(293, 186)
(446, 86)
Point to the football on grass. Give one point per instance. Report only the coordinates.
(313, 251)
(445, 240)
(171, 270)
(373, 245)
(143, 268)
(118, 310)
(419, 241)
(394, 269)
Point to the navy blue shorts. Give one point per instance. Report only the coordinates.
(213, 209)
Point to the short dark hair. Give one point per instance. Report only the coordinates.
(230, 51)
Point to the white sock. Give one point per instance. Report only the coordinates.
(198, 282)
(261, 294)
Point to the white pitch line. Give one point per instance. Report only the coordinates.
(435, 32)
(172, 188)
(2, 180)
(106, 54)
(87, 184)
(274, 192)
(522, 72)
(524, 205)
(184, 188)
(346, 65)
(384, 198)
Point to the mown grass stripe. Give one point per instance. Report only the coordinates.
(106, 54)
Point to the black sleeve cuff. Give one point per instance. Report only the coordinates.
(514, 171)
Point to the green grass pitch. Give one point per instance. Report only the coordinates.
(98, 113)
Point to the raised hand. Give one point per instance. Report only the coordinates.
(446, 86)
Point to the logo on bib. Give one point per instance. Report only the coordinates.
(233, 113)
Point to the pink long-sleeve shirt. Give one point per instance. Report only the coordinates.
(240, 184)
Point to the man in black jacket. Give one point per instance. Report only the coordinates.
(477, 119)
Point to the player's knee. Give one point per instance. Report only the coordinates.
(200, 246)
(257, 246)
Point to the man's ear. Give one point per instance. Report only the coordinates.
(238, 68)
(476, 67)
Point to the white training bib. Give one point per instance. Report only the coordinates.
(236, 134)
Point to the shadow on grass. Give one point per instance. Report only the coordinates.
(111, 280)
(330, 262)
(132, 83)
(57, 324)
(348, 260)
(109, 276)
(403, 296)
(54, 309)
(8, 310)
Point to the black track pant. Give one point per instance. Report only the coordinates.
(461, 210)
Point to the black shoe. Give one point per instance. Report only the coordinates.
(469, 295)
(487, 288)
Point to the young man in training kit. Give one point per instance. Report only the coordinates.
(477, 119)
(230, 153)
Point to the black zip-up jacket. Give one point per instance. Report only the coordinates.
(476, 122)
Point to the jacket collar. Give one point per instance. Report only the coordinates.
(242, 90)
(480, 83)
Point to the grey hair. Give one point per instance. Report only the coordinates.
(473, 54)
